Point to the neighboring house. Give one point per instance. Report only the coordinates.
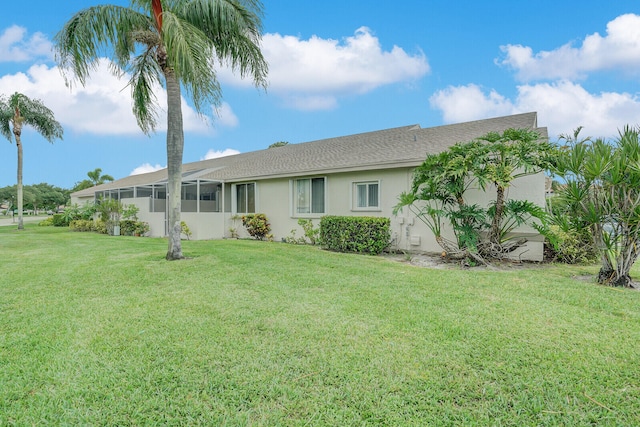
(356, 175)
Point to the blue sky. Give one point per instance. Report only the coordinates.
(339, 67)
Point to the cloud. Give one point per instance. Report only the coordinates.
(312, 74)
(146, 168)
(465, 103)
(562, 106)
(213, 154)
(102, 106)
(619, 49)
(225, 116)
(16, 47)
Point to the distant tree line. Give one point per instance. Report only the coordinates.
(38, 198)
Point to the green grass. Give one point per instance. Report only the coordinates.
(99, 330)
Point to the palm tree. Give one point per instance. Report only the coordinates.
(97, 178)
(15, 112)
(175, 42)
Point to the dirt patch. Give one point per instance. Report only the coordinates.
(437, 261)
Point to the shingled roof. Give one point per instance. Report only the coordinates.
(405, 146)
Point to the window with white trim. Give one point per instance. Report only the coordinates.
(246, 198)
(309, 196)
(366, 195)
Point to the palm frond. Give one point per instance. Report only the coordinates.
(98, 31)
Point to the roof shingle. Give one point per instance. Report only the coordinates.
(405, 146)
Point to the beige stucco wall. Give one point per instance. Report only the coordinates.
(273, 197)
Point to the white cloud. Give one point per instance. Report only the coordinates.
(225, 116)
(561, 107)
(102, 106)
(312, 74)
(214, 154)
(465, 103)
(16, 47)
(619, 49)
(146, 168)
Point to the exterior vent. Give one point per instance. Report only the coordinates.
(415, 240)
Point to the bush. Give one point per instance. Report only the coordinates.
(571, 246)
(355, 234)
(127, 227)
(46, 222)
(142, 228)
(184, 229)
(100, 227)
(81, 225)
(60, 220)
(257, 225)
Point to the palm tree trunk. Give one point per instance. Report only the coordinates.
(494, 236)
(175, 146)
(17, 132)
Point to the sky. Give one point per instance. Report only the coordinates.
(339, 67)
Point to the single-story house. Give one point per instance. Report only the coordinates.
(358, 175)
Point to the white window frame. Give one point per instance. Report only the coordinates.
(293, 184)
(354, 196)
(234, 197)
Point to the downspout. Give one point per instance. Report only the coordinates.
(223, 210)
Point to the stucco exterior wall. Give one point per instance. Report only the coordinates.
(274, 198)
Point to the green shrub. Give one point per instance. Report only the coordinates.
(46, 222)
(355, 234)
(127, 227)
(309, 232)
(257, 225)
(141, 228)
(570, 246)
(81, 225)
(184, 229)
(60, 220)
(100, 226)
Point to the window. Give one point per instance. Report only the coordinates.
(309, 195)
(366, 195)
(246, 198)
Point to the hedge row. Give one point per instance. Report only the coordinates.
(355, 234)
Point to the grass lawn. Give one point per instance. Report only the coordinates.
(99, 330)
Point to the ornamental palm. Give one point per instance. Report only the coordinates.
(15, 112)
(174, 42)
(96, 177)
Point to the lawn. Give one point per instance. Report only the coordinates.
(99, 330)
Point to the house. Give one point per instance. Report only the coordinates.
(359, 175)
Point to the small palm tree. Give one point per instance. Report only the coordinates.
(15, 112)
(175, 42)
(97, 177)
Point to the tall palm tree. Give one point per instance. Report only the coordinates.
(15, 112)
(175, 42)
(96, 177)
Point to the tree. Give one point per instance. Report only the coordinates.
(505, 157)
(170, 42)
(9, 196)
(603, 187)
(15, 112)
(279, 144)
(97, 177)
(441, 182)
